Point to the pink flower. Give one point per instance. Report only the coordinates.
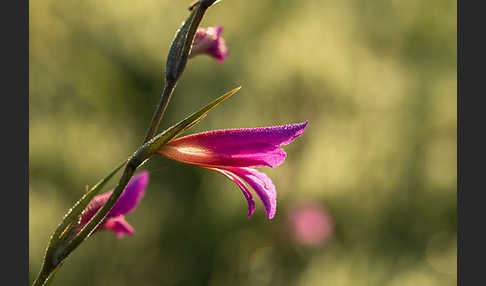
(209, 41)
(232, 152)
(310, 224)
(127, 202)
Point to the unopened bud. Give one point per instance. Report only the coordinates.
(209, 41)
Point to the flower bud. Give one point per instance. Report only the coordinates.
(209, 41)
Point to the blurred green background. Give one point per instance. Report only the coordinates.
(375, 79)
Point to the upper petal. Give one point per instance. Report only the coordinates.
(127, 202)
(249, 147)
(131, 196)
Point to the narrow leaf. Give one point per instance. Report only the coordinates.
(69, 223)
(179, 128)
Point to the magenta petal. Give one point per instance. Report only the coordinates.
(252, 147)
(218, 30)
(244, 189)
(227, 138)
(218, 49)
(119, 225)
(262, 185)
(209, 41)
(126, 202)
(131, 196)
(94, 205)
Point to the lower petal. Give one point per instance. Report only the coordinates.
(119, 225)
(262, 185)
(244, 189)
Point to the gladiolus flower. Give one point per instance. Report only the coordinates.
(233, 153)
(127, 202)
(209, 41)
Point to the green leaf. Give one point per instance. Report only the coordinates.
(159, 140)
(69, 224)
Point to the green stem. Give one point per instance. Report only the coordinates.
(41, 278)
(101, 214)
(133, 163)
(141, 155)
(159, 112)
(179, 57)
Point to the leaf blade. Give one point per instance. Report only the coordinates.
(177, 129)
(66, 229)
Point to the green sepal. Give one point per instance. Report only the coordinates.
(182, 43)
(176, 60)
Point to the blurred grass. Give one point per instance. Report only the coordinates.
(376, 80)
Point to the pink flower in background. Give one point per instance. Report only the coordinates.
(209, 41)
(310, 224)
(233, 153)
(127, 202)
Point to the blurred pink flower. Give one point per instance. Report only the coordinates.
(127, 202)
(310, 224)
(232, 152)
(209, 41)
